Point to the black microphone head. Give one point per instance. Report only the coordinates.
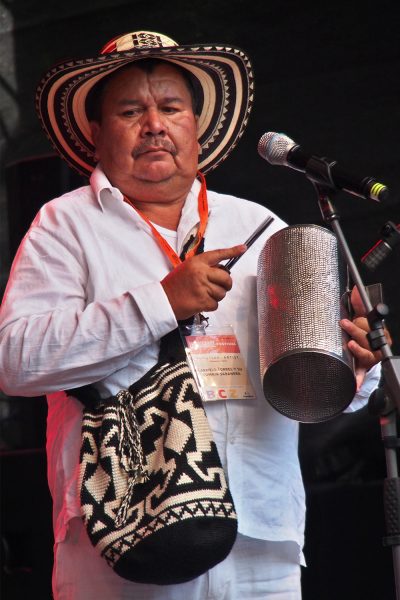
(274, 147)
(376, 255)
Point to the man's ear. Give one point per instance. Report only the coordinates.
(94, 130)
(197, 126)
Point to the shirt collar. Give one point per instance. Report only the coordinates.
(104, 191)
(102, 187)
(190, 213)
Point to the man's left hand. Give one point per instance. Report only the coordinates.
(359, 346)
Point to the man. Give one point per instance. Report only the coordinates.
(94, 287)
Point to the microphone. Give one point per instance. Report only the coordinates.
(390, 239)
(279, 149)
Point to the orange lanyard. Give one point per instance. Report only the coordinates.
(202, 205)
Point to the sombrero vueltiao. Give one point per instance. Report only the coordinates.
(224, 75)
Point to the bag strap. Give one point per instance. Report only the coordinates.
(171, 347)
(171, 344)
(87, 395)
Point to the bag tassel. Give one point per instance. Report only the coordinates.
(130, 452)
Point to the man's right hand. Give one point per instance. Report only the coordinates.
(199, 283)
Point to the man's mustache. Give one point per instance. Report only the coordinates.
(154, 142)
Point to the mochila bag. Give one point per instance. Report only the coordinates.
(154, 495)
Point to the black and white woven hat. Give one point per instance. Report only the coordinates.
(225, 84)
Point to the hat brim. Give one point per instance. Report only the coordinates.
(223, 73)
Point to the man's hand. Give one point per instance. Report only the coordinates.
(198, 284)
(359, 345)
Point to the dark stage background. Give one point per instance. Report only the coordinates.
(328, 76)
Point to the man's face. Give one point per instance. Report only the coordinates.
(147, 138)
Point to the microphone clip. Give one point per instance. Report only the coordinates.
(318, 170)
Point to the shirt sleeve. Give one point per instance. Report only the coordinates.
(52, 338)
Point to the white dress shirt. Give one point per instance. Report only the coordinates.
(84, 304)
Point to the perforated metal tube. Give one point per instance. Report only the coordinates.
(306, 369)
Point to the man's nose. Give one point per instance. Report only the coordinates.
(153, 122)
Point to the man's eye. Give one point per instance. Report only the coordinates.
(131, 112)
(170, 109)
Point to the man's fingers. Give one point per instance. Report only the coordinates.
(218, 292)
(362, 353)
(357, 330)
(357, 303)
(359, 344)
(198, 284)
(360, 373)
(214, 257)
(219, 277)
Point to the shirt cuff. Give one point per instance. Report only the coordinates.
(369, 384)
(155, 308)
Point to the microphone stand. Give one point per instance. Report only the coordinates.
(386, 400)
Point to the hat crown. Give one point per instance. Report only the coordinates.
(136, 40)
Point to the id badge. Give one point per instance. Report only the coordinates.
(217, 363)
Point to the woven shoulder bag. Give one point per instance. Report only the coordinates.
(154, 496)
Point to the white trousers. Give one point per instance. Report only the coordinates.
(254, 570)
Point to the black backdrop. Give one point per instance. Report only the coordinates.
(327, 76)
